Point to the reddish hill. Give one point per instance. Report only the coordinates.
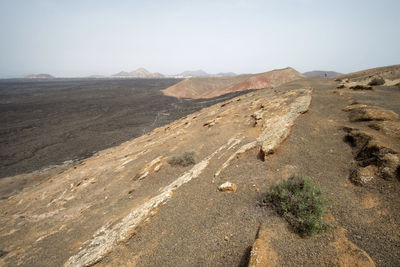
(215, 86)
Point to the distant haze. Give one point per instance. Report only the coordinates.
(97, 37)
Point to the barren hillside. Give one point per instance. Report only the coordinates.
(388, 72)
(212, 87)
(158, 200)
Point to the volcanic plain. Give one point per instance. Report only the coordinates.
(53, 122)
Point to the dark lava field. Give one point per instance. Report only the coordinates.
(48, 122)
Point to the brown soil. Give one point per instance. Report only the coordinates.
(73, 215)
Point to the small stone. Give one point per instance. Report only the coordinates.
(227, 187)
(391, 162)
(226, 238)
(367, 174)
(363, 176)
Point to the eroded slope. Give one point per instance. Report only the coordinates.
(79, 215)
(128, 207)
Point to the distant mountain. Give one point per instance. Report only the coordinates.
(194, 73)
(39, 76)
(139, 73)
(121, 74)
(225, 74)
(96, 76)
(321, 74)
(158, 75)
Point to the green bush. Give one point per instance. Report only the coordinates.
(184, 159)
(376, 81)
(2, 253)
(301, 203)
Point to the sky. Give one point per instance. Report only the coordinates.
(69, 38)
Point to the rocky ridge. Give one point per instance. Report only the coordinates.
(215, 86)
(128, 206)
(88, 196)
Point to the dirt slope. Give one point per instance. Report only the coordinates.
(388, 72)
(128, 206)
(212, 87)
(85, 202)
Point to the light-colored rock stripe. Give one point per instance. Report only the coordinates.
(276, 129)
(110, 234)
(241, 150)
(154, 165)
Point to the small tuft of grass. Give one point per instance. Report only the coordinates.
(301, 203)
(184, 159)
(2, 253)
(376, 81)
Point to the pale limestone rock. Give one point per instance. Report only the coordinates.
(227, 187)
(153, 166)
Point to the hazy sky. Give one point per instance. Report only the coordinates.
(83, 37)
